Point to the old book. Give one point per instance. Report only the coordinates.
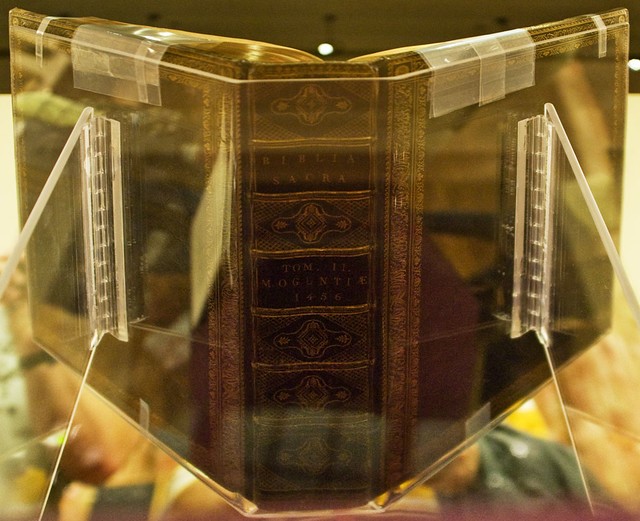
(319, 255)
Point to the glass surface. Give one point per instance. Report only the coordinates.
(313, 265)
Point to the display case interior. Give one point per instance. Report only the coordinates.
(310, 284)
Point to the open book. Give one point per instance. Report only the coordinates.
(308, 265)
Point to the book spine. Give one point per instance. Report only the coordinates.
(312, 334)
(405, 270)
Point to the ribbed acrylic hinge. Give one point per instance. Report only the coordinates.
(103, 228)
(533, 242)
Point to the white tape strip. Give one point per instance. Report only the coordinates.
(479, 70)
(115, 61)
(602, 35)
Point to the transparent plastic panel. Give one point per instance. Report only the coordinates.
(305, 296)
(45, 328)
(520, 467)
(599, 387)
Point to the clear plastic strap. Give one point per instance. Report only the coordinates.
(144, 416)
(478, 421)
(602, 35)
(115, 63)
(42, 29)
(479, 70)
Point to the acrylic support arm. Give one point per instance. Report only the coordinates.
(547, 163)
(99, 140)
(542, 140)
(92, 153)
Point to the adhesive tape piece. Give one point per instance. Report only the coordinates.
(477, 71)
(492, 70)
(117, 62)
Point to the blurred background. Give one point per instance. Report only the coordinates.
(350, 27)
